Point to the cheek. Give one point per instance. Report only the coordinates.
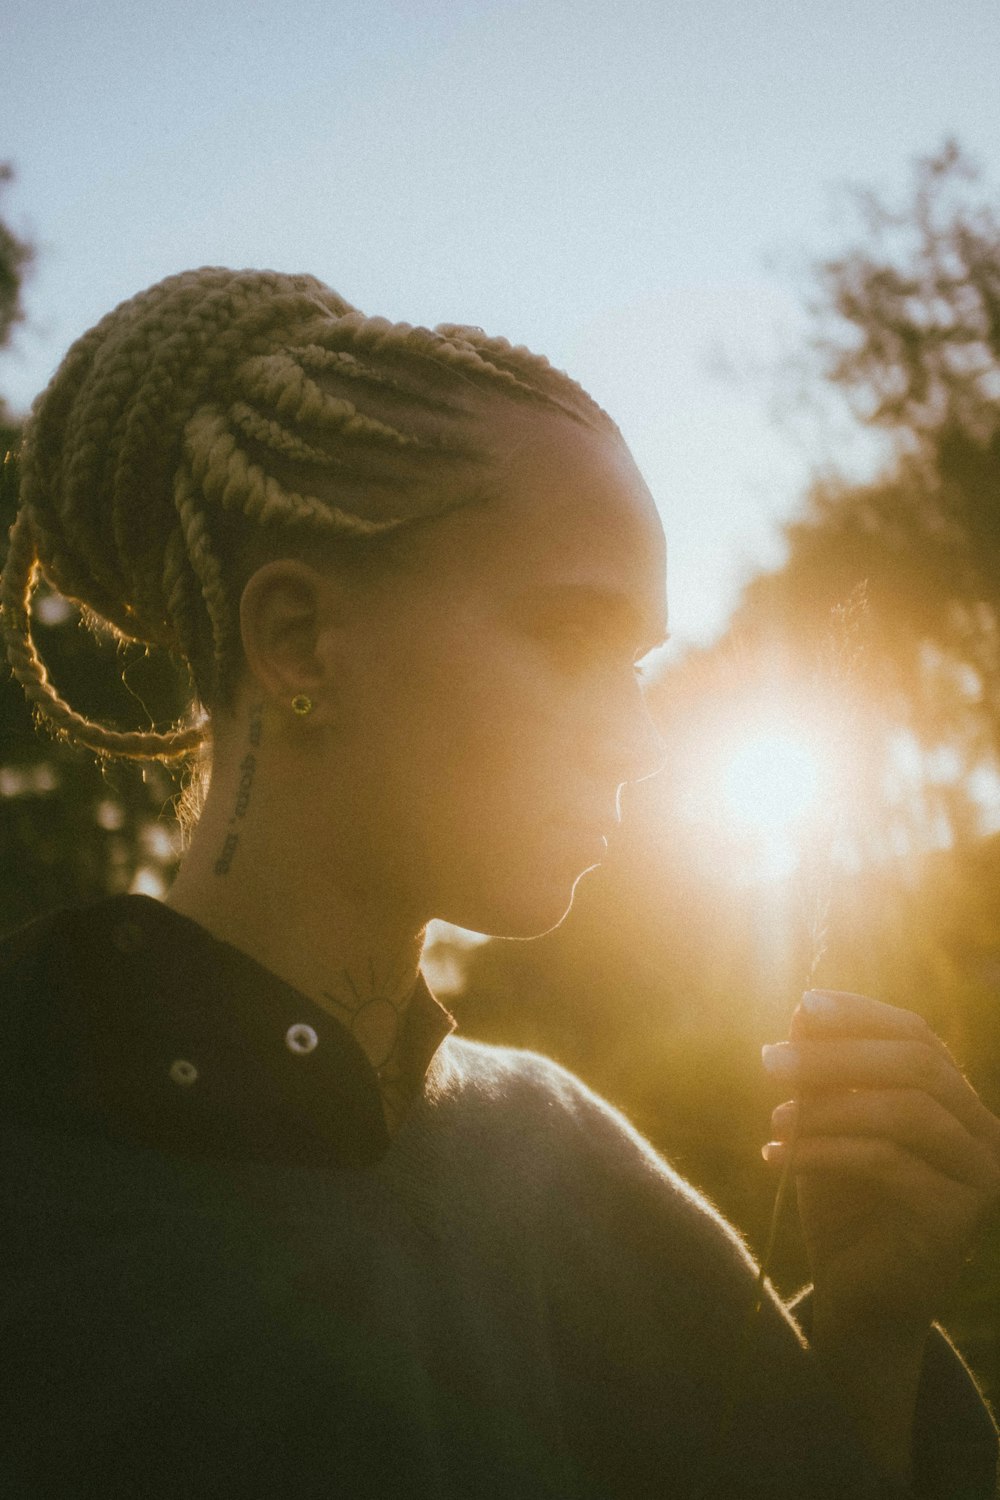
(470, 734)
(485, 748)
(511, 720)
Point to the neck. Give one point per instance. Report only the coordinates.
(268, 893)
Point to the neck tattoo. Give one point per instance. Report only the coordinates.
(373, 1011)
(248, 769)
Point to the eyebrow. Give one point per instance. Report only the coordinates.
(619, 608)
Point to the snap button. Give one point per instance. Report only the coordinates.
(301, 1038)
(183, 1072)
(128, 937)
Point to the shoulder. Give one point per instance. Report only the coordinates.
(564, 1129)
(516, 1083)
(43, 965)
(622, 1234)
(27, 957)
(27, 940)
(500, 1072)
(25, 951)
(65, 927)
(512, 1080)
(47, 949)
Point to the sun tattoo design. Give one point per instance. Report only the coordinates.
(374, 1011)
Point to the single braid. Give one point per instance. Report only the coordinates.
(181, 590)
(277, 437)
(16, 585)
(219, 407)
(534, 371)
(278, 380)
(340, 362)
(204, 563)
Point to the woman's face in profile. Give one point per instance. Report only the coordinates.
(495, 708)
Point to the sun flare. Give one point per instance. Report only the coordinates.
(771, 781)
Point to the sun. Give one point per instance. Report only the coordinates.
(770, 789)
(771, 781)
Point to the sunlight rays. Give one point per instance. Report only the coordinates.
(769, 783)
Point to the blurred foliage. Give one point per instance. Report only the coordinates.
(877, 639)
(72, 829)
(15, 256)
(908, 330)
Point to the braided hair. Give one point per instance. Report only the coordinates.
(222, 417)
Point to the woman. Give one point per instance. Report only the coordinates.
(273, 1230)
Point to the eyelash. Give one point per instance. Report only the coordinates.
(580, 647)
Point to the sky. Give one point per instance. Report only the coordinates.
(634, 189)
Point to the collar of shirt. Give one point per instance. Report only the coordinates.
(133, 1021)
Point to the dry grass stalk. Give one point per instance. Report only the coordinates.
(838, 664)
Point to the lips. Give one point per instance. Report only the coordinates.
(586, 838)
(597, 827)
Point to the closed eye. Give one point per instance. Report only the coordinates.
(644, 666)
(586, 627)
(576, 648)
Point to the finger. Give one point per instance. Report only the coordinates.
(850, 1063)
(907, 1117)
(833, 1012)
(904, 1178)
(881, 1165)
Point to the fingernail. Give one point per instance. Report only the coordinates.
(783, 1118)
(819, 1003)
(780, 1058)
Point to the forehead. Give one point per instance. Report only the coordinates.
(565, 507)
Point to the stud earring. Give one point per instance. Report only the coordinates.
(302, 704)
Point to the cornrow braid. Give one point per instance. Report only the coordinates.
(317, 360)
(214, 410)
(280, 381)
(277, 437)
(532, 371)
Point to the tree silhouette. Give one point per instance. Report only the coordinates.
(908, 330)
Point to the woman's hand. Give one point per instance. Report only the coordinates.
(896, 1164)
(896, 1160)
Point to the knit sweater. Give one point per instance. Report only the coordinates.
(515, 1297)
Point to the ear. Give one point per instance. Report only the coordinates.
(289, 613)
